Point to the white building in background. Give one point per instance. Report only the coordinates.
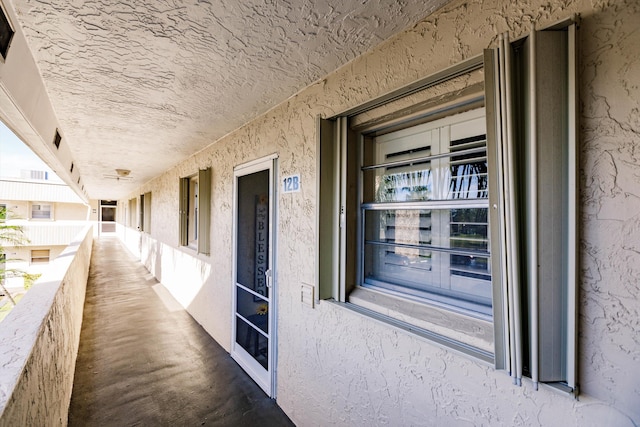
(50, 213)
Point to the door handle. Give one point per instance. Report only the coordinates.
(269, 276)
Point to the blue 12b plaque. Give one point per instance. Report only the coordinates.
(291, 184)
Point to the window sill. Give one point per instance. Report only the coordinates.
(192, 250)
(468, 334)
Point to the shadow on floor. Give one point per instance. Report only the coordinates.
(141, 364)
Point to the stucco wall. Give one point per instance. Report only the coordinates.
(338, 367)
(40, 339)
(71, 211)
(19, 209)
(61, 211)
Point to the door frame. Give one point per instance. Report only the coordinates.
(101, 221)
(238, 353)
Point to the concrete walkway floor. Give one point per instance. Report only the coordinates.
(143, 363)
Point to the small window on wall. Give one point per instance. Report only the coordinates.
(6, 33)
(133, 206)
(195, 211)
(145, 212)
(39, 256)
(192, 212)
(3, 213)
(41, 211)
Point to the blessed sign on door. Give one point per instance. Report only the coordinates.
(262, 243)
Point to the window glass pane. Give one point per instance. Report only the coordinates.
(39, 255)
(253, 308)
(469, 229)
(397, 166)
(408, 248)
(407, 226)
(41, 211)
(406, 267)
(457, 177)
(429, 249)
(470, 273)
(6, 33)
(458, 280)
(255, 343)
(193, 212)
(253, 231)
(400, 184)
(456, 169)
(133, 206)
(468, 170)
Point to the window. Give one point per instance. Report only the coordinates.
(39, 256)
(415, 227)
(195, 211)
(133, 207)
(3, 212)
(145, 212)
(57, 139)
(41, 211)
(131, 212)
(425, 212)
(6, 33)
(192, 213)
(450, 213)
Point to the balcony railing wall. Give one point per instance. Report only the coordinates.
(39, 341)
(52, 233)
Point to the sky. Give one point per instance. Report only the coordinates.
(15, 156)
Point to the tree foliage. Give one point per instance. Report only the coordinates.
(10, 235)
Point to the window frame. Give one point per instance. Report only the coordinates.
(192, 212)
(459, 325)
(523, 113)
(132, 213)
(40, 204)
(338, 272)
(195, 212)
(40, 259)
(4, 50)
(439, 153)
(145, 212)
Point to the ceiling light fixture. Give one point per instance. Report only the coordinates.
(121, 174)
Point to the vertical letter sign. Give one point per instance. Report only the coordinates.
(262, 243)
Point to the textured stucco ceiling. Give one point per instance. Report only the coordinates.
(143, 84)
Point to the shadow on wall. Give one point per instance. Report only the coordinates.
(189, 280)
(183, 273)
(153, 258)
